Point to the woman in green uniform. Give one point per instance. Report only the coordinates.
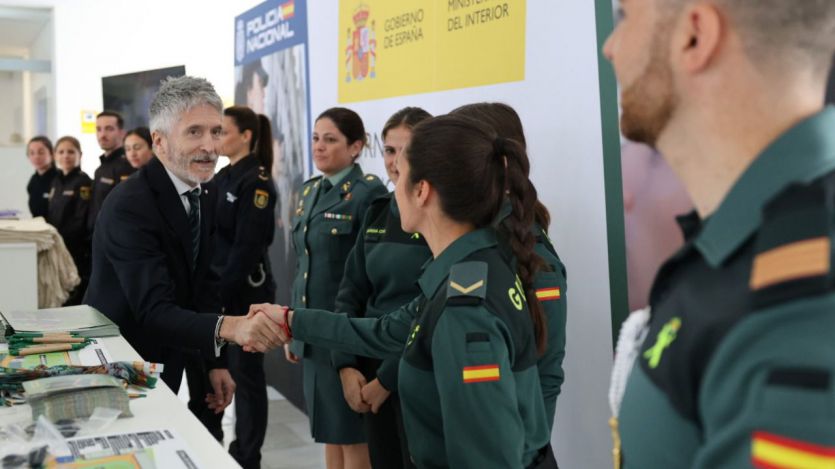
(550, 283)
(327, 222)
(468, 378)
(69, 202)
(373, 285)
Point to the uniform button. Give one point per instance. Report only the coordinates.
(333, 230)
(304, 299)
(305, 275)
(305, 228)
(306, 252)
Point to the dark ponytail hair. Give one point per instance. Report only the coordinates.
(407, 117)
(472, 169)
(506, 123)
(45, 141)
(261, 143)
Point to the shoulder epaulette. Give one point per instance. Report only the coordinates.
(370, 179)
(467, 282)
(383, 199)
(793, 246)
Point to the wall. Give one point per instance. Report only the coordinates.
(11, 124)
(558, 103)
(13, 179)
(43, 84)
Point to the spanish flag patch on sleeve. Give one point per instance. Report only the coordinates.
(770, 451)
(548, 294)
(481, 373)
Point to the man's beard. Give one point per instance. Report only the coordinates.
(182, 165)
(649, 102)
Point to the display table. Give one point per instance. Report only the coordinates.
(160, 410)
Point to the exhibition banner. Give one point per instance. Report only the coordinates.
(271, 77)
(407, 47)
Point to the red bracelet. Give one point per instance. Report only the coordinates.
(286, 326)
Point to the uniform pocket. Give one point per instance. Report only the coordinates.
(478, 343)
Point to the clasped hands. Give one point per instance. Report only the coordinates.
(266, 327)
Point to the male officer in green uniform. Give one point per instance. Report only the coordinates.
(737, 366)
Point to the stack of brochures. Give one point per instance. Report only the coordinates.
(81, 321)
(75, 396)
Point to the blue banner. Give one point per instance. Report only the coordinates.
(270, 27)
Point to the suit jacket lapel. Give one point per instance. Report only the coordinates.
(171, 206)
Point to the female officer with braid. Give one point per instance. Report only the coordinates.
(550, 283)
(468, 378)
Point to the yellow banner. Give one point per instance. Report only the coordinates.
(395, 48)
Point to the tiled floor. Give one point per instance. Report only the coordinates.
(288, 444)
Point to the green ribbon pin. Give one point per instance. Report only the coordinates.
(665, 338)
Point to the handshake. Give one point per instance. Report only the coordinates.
(264, 328)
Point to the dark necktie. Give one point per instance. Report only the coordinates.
(194, 220)
(326, 186)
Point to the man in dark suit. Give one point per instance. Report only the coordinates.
(152, 251)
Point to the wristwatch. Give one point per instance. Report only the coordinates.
(219, 341)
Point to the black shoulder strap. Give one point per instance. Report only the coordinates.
(793, 247)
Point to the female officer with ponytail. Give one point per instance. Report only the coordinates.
(468, 378)
(245, 225)
(380, 276)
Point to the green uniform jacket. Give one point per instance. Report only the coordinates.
(737, 368)
(380, 276)
(324, 231)
(468, 379)
(551, 289)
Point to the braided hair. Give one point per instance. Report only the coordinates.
(473, 170)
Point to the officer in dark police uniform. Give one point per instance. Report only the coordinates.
(40, 153)
(114, 167)
(245, 220)
(736, 368)
(38, 189)
(69, 203)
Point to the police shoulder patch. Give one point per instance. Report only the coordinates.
(263, 174)
(261, 199)
(84, 192)
(467, 282)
